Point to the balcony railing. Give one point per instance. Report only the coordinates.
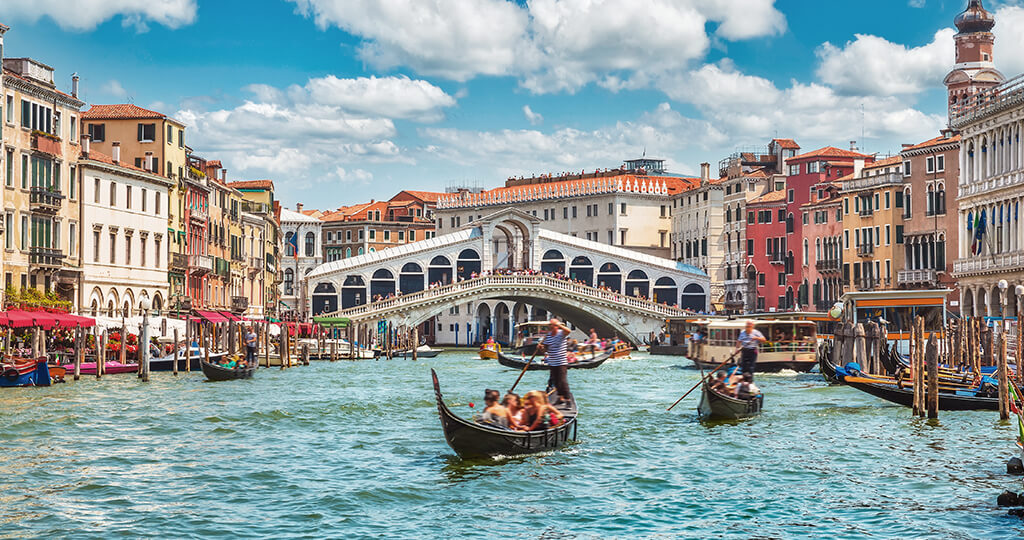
(866, 212)
(42, 200)
(989, 264)
(873, 181)
(49, 144)
(255, 207)
(198, 214)
(866, 250)
(255, 265)
(239, 303)
(200, 264)
(917, 277)
(778, 258)
(179, 262)
(827, 266)
(45, 258)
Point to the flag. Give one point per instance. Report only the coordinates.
(293, 241)
(979, 232)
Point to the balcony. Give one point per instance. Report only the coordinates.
(255, 265)
(917, 277)
(200, 264)
(43, 201)
(40, 258)
(866, 212)
(256, 208)
(239, 304)
(198, 215)
(46, 143)
(866, 250)
(827, 266)
(873, 181)
(989, 264)
(777, 258)
(179, 262)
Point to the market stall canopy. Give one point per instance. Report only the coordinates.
(229, 316)
(333, 322)
(67, 320)
(211, 316)
(19, 318)
(133, 325)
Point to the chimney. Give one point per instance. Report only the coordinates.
(858, 167)
(115, 152)
(85, 144)
(149, 164)
(224, 175)
(705, 172)
(298, 207)
(853, 146)
(905, 145)
(74, 85)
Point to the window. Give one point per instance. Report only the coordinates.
(846, 239)
(813, 167)
(373, 234)
(794, 170)
(147, 132)
(74, 129)
(10, 109)
(113, 194)
(128, 197)
(888, 236)
(750, 248)
(899, 199)
(899, 234)
(113, 247)
(98, 132)
(929, 164)
(622, 209)
(142, 251)
(24, 171)
(156, 251)
(768, 246)
(940, 163)
(760, 279)
(96, 245)
(805, 218)
(24, 232)
(750, 218)
(72, 182)
(8, 230)
(906, 168)
(127, 250)
(26, 114)
(791, 195)
(9, 174)
(622, 237)
(170, 138)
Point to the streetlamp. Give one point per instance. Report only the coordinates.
(143, 346)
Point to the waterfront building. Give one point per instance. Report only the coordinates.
(41, 219)
(822, 259)
(626, 207)
(874, 210)
(767, 264)
(123, 235)
(302, 253)
(930, 231)
(989, 115)
(748, 174)
(698, 218)
(261, 245)
(155, 142)
(196, 259)
(350, 231)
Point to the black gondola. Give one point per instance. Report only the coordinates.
(828, 371)
(539, 365)
(717, 406)
(216, 372)
(473, 440)
(905, 396)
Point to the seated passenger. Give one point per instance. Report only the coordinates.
(494, 413)
(538, 413)
(718, 383)
(515, 408)
(746, 389)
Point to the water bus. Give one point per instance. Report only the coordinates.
(791, 344)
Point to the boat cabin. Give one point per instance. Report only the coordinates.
(792, 344)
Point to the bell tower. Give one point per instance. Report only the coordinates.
(975, 70)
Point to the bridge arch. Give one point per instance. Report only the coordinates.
(665, 291)
(468, 263)
(553, 262)
(517, 237)
(440, 270)
(382, 283)
(353, 292)
(610, 276)
(582, 269)
(483, 322)
(638, 284)
(694, 298)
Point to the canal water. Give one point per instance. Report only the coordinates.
(355, 449)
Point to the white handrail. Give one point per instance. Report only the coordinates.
(473, 285)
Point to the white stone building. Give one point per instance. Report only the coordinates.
(123, 235)
(307, 234)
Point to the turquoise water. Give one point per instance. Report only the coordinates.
(355, 449)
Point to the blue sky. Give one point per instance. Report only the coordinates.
(340, 101)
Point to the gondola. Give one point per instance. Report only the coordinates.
(717, 406)
(519, 363)
(423, 351)
(216, 372)
(166, 363)
(948, 401)
(828, 371)
(474, 440)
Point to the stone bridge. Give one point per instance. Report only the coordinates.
(612, 288)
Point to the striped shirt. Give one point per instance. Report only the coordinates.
(555, 346)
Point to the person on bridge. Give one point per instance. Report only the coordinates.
(554, 345)
(747, 342)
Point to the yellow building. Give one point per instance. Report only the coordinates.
(155, 142)
(41, 193)
(261, 233)
(872, 208)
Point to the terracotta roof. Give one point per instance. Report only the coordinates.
(252, 184)
(214, 163)
(941, 139)
(887, 162)
(758, 173)
(770, 197)
(119, 111)
(313, 213)
(9, 73)
(103, 158)
(716, 181)
(831, 151)
(786, 144)
(426, 196)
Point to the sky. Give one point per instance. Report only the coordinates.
(341, 101)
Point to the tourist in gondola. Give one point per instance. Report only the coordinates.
(514, 406)
(554, 345)
(495, 413)
(748, 342)
(538, 413)
(719, 384)
(746, 389)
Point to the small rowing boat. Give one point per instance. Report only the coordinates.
(715, 405)
(24, 372)
(196, 354)
(423, 351)
(471, 439)
(111, 367)
(217, 372)
(489, 351)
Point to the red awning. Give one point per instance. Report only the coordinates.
(67, 320)
(230, 316)
(211, 316)
(18, 318)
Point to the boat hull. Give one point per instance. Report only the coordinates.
(166, 363)
(905, 397)
(472, 440)
(110, 368)
(217, 373)
(715, 406)
(39, 375)
(419, 354)
(516, 363)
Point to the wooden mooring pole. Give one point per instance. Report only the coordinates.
(1004, 392)
(932, 359)
(174, 354)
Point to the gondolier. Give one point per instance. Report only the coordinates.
(554, 345)
(747, 342)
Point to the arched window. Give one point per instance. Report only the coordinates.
(289, 249)
(289, 281)
(930, 201)
(360, 252)
(940, 198)
(310, 244)
(348, 252)
(906, 203)
(806, 250)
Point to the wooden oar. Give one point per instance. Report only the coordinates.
(523, 372)
(702, 379)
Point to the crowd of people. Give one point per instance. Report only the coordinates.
(531, 412)
(735, 383)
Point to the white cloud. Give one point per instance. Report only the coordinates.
(1009, 40)
(395, 97)
(549, 45)
(355, 176)
(114, 89)
(870, 65)
(87, 14)
(532, 117)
